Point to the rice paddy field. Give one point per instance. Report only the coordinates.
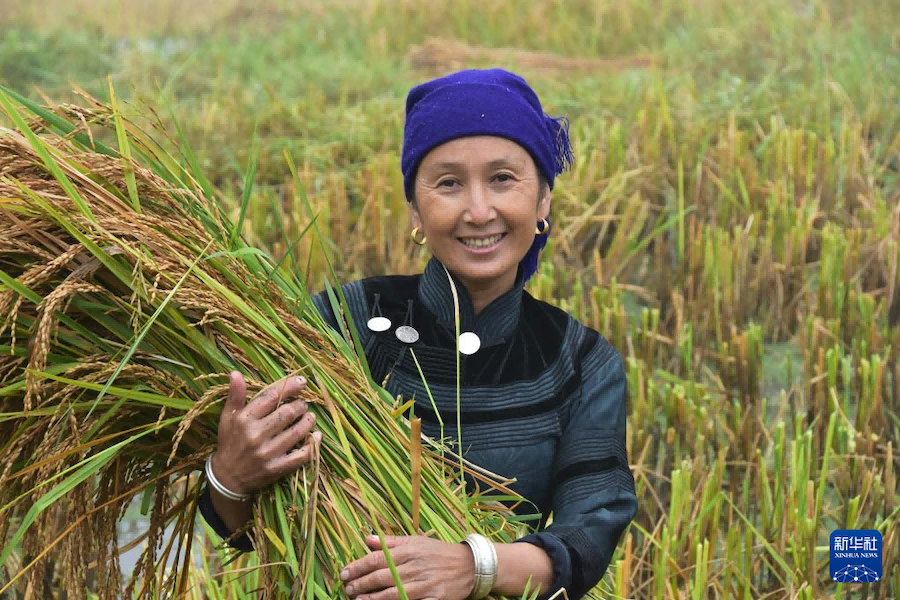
(732, 226)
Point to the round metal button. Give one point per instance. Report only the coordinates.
(469, 343)
(407, 334)
(379, 323)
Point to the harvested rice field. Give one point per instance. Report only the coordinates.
(177, 179)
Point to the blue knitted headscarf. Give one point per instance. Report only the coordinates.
(484, 102)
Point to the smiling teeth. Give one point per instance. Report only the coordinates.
(481, 243)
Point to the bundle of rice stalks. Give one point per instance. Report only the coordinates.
(126, 298)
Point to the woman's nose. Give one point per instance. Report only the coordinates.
(480, 207)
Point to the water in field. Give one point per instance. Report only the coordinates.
(134, 525)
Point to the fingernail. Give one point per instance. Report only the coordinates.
(350, 589)
(317, 435)
(345, 575)
(301, 379)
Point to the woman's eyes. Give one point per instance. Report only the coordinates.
(498, 178)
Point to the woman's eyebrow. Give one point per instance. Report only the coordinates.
(450, 165)
(508, 162)
(445, 166)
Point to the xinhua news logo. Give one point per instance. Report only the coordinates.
(855, 555)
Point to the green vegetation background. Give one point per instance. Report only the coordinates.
(732, 224)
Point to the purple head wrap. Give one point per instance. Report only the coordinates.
(484, 102)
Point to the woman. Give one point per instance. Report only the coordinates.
(543, 397)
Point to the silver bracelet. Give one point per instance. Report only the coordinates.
(216, 485)
(485, 565)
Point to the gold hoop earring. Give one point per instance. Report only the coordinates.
(542, 227)
(414, 233)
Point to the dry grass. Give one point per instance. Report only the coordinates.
(442, 55)
(168, 17)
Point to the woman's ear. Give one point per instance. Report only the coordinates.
(414, 216)
(543, 209)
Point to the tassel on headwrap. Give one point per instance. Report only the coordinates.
(565, 158)
(485, 102)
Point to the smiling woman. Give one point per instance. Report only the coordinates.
(536, 396)
(477, 200)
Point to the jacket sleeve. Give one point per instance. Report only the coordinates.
(594, 497)
(242, 543)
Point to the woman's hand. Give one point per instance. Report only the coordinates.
(428, 568)
(257, 441)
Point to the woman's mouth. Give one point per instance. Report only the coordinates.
(482, 244)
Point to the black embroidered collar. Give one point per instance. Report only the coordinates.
(495, 323)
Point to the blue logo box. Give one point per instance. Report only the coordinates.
(855, 555)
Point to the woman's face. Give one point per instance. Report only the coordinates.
(478, 200)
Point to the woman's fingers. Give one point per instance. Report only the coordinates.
(256, 437)
(291, 436)
(282, 417)
(266, 401)
(413, 591)
(391, 541)
(376, 581)
(427, 567)
(237, 396)
(371, 563)
(293, 461)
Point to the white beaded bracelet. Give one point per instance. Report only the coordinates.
(485, 565)
(211, 478)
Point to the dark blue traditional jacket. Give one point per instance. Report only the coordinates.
(542, 401)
